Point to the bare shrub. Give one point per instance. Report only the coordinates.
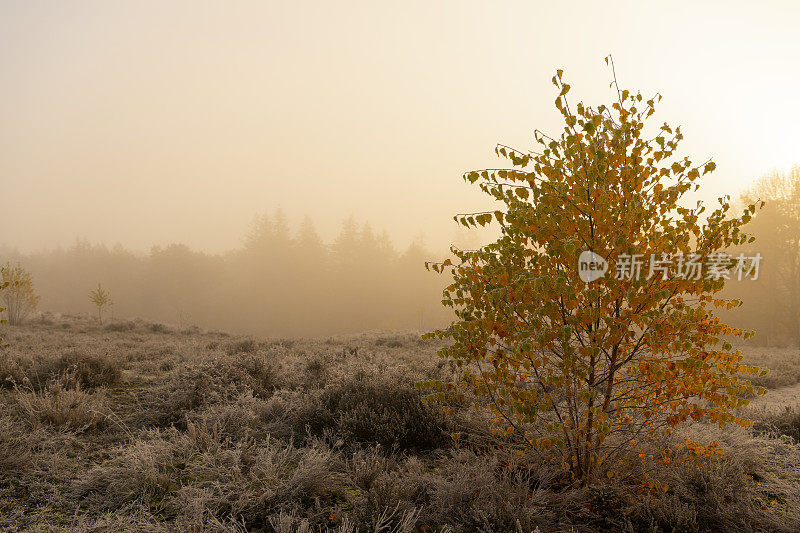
(145, 470)
(123, 325)
(786, 422)
(375, 410)
(316, 372)
(367, 465)
(246, 417)
(170, 470)
(60, 406)
(207, 383)
(90, 371)
(19, 297)
(157, 327)
(487, 493)
(390, 521)
(281, 343)
(390, 342)
(12, 370)
(45, 319)
(243, 346)
(14, 446)
(746, 489)
(131, 519)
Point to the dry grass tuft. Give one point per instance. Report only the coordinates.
(62, 403)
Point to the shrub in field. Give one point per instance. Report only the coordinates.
(383, 412)
(168, 470)
(121, 326)
(782, 423)
(90, 371)
(157, 327)
(585, 368)
(3, 285)
(12, 370)
(243, 346)
(485, 493)
(315, 372)
(14, 448)
(101, 299)
(74, 368)
(209, 383)
(391, 342)
(62, 405)
(17, 293)
(259, 374)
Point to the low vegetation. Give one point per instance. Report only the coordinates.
(142, 428)
(17, 293)
(101, 299)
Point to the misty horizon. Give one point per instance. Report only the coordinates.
(328, 234)
(128, 124)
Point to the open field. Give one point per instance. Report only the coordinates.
(136, 426)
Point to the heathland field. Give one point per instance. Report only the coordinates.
(135, 426)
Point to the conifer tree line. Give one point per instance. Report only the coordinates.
(285, 281)
(281, 281)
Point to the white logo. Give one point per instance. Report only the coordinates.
(591, 266)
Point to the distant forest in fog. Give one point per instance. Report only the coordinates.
(285, 281)
(772, 303)
(282, 281)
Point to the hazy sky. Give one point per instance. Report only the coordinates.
(156, 122)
